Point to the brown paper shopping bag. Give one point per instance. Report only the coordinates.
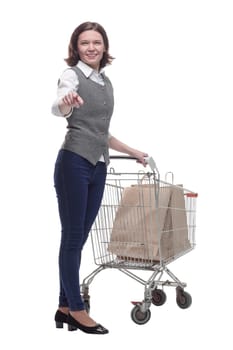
(145, 223)
(175, 230)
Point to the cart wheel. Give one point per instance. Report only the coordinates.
(183, 299)
(140, 317)
(158, 297)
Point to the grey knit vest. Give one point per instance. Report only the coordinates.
(88, 125)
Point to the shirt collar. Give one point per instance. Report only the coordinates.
(87, 70)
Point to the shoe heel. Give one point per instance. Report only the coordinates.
(72, 328)
(59, 324)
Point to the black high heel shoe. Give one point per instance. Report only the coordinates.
(60, 318)
(73, 325)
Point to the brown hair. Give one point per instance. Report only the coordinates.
(73, 56)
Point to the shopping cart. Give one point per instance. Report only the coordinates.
(143, 223)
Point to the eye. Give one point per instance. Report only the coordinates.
(84, 43)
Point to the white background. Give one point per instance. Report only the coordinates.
(173, 81)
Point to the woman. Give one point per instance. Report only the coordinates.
(85, 99)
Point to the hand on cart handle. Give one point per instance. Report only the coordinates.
(141, 158)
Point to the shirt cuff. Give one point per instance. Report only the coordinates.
(56, 111)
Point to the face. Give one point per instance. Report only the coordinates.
(91, 48)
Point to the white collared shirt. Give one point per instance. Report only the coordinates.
(69, 82)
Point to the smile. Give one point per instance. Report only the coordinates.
(92, 56)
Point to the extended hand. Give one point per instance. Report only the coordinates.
(72, 99)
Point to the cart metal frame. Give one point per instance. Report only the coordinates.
(101, 232)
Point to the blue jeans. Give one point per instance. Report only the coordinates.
(79, 187)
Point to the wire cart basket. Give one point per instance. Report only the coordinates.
(143, 223)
